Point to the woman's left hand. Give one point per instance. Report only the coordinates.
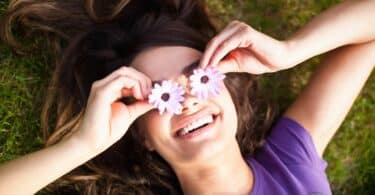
(240, 48)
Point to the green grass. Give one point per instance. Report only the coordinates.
(21, 87)
(350, 155)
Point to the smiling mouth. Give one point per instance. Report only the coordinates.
(182, 132)
(196, 126)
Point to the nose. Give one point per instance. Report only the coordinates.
(190, 101)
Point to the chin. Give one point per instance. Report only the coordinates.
(204, 152)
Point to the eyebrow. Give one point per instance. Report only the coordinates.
(186, 71)
(189, 68)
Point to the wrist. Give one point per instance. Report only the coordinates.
(76, 144)
(297, 53)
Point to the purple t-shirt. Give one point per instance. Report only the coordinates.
(288, 163)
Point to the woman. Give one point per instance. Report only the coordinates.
(106, 74)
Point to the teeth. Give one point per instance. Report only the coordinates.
(195, 124)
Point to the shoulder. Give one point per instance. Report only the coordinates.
(290, 141)
(288, 158)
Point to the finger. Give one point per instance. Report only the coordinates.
(131, 112)
(139, 108)
(144, 80)
(115, 88)
(111, 76)
(242, 60)
(216, 41)
(240, 39)
(132, 73)
(229, 64)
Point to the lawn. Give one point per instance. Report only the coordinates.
(350, 155)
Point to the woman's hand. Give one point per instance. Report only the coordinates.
(240, 48)
(106, 120)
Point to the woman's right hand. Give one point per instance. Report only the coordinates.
(106, 119)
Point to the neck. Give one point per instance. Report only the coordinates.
(226, 173)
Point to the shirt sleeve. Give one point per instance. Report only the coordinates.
(293, 144)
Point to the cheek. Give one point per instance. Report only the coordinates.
(156, 126)
(152, 122)
(229, 111)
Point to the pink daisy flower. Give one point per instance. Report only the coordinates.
(205, 82)
(167, 96)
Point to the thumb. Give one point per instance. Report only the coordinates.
(243, 60)
(138, 108)
(228, 64)
(237, 61)
(120, 111)
(124, 115)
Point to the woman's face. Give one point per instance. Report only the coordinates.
(172, 63)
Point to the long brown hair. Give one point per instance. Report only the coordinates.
(90, 39)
